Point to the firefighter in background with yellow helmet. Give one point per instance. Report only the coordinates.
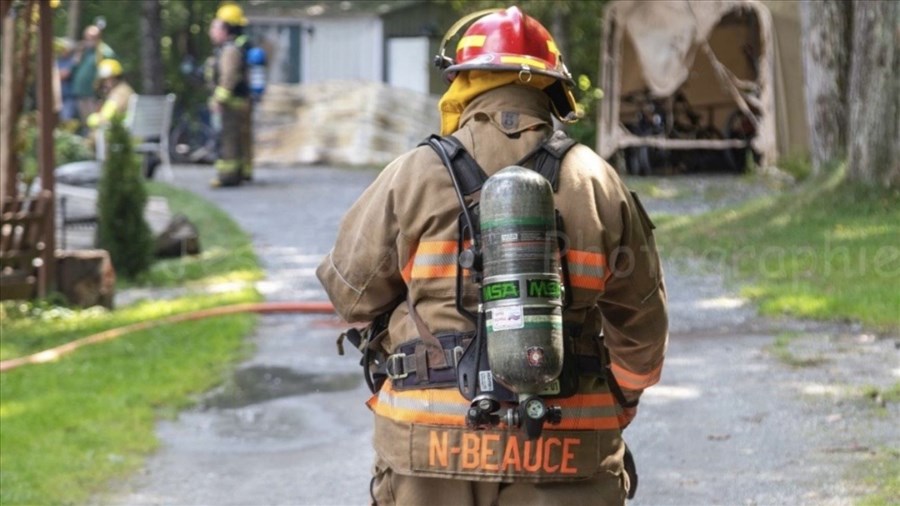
(115, 90)
(230, 102)
(397, 262)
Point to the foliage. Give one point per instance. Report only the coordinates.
(122, 229)
(68, 147)
(827, 249)
(185, 38)
(798, 165)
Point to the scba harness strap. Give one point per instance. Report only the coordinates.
(468, 178)
(547, 159)
(417, 363)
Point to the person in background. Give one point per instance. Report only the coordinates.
(116, 93)
(230, 102)
(65, 64)
(90, 52)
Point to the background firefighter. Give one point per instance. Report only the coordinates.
(116, 93)
(230, 103)
(396, 258)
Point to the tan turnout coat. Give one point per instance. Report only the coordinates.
(400, 238)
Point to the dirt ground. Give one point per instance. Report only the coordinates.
(743, 415)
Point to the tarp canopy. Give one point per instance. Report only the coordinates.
(719, 58)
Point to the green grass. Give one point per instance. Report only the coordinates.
(226, 252)
(69, 427)
(882, 397)
(883, 473)
(826, 249)
(781, 349)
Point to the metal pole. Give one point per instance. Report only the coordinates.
(47, 282)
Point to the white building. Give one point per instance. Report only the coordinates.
(390, 41)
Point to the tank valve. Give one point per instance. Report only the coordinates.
(482, 413)
(531, 414)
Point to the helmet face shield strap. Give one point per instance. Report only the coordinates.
(510, 41)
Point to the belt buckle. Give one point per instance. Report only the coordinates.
(391, 365)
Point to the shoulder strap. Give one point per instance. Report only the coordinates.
(465, 169)
(549, 156)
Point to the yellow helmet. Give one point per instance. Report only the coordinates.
(232, 14)
(109, 68)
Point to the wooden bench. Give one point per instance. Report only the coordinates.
(22, 225)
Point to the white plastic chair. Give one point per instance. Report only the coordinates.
(149, 119)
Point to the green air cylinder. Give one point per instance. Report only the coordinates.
(521, 289)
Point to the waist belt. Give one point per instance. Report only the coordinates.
(409, 368)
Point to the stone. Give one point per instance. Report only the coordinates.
(179, 238)
(86, 173)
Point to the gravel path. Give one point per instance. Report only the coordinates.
(729, 424)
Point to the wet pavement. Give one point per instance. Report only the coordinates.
(729, 423)
(291, 426)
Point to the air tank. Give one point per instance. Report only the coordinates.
(521, 291)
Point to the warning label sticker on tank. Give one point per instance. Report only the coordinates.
(507, 318)
(485, 381)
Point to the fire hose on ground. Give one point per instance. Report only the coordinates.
(56, 352)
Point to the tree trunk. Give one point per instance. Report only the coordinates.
(874, 94)
(558, 29)
(152, 71)
(73, 20)
(7, 132)
(826, 62)
(17, 60)
(190, 50)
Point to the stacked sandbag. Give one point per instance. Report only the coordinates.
(341, 123)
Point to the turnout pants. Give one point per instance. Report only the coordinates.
(234, 162)
(389, 488)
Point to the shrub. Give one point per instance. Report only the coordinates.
(122, 230)
(69, 148)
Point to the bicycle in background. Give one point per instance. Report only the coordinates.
(193, 138)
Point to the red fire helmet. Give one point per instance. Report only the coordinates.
(509, 40)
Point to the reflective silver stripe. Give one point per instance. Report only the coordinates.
(444, 408)
(452, 408)
(587, 270)
(435, 259)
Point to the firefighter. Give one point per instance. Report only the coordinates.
(116, 93)
(230, 102)
(396, 260)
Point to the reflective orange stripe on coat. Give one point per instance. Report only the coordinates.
(446, 406)
(587, 270)
(633, 380)
(438, 259)
(432, 259)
